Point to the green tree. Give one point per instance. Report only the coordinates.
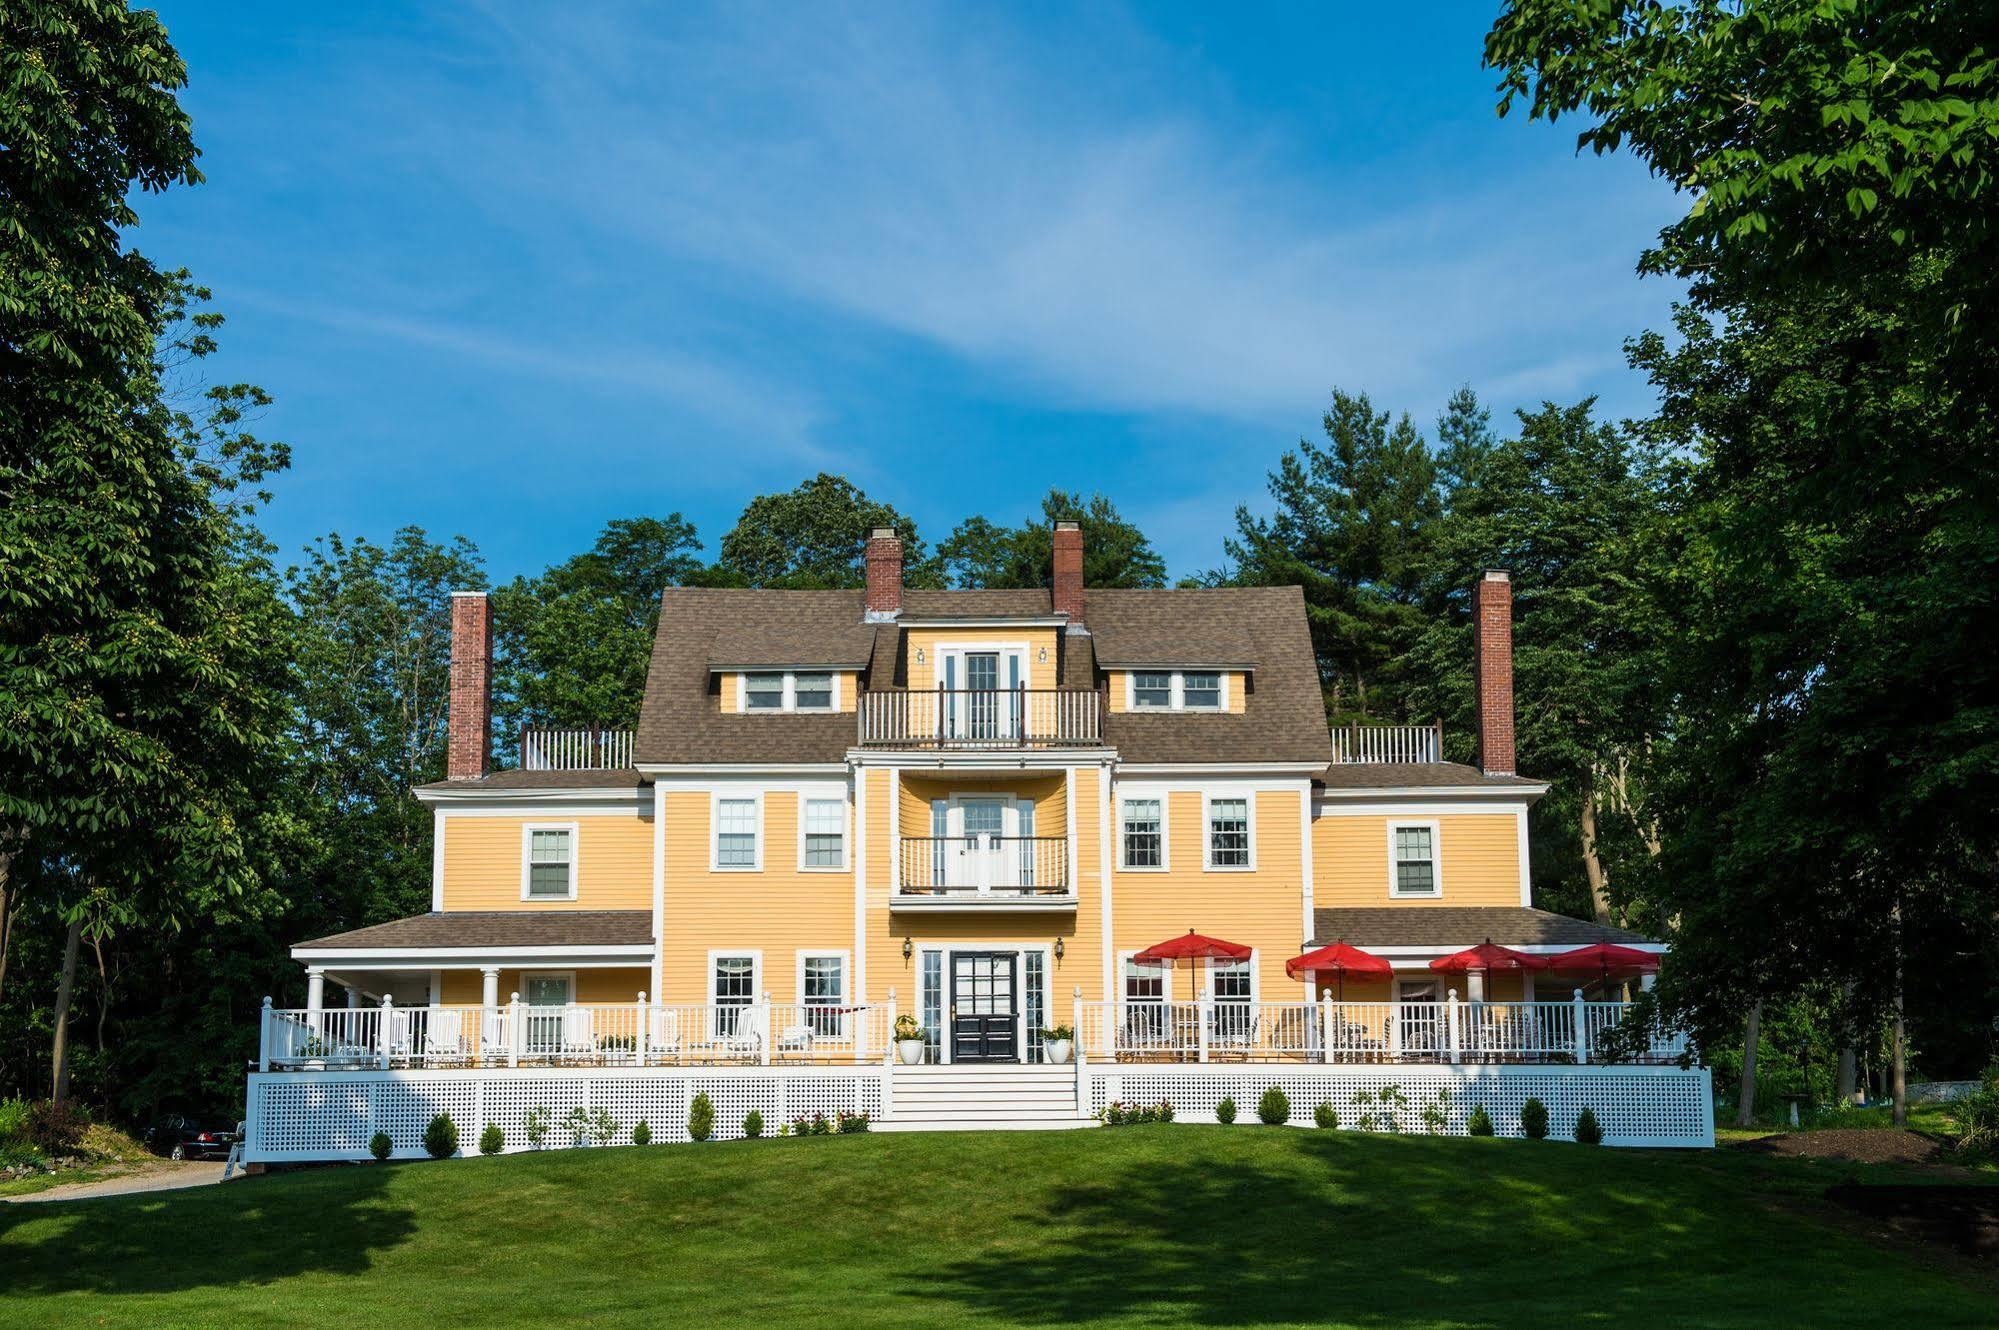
(1115, 552)
(571, 645)
(812, 538)
(1352, 527)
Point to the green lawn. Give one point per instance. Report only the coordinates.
(1155, 1226)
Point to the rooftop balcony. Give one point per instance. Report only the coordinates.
(575, 750)
(1387, 744)
(982, 718)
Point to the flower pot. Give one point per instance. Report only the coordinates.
(910, 1051)
(1059, 1051)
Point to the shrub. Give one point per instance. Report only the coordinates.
(1534, 1119)
(1587, 1130)
(851, 1122)
(753, 1124)
(1437, 1112)
(577, 1123)
(492, 1140)
(1058, 1032)
(536, 1127)
(55, 1129)
(908, 1027)
(1163, 1112)
(1225, 1111)
(1325, 1115)
(603, 1127)
(1479, 1123)
(1274, 1108)
(641, 1133)
(701, 1117)
(379, 1145)
(13, 1120)
(1121, 1114)
(440, 1138)
(1976, 1117)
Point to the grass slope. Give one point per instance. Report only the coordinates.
(1208, 1226)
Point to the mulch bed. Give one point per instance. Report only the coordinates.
(1966, 1218)
(1877, 1145)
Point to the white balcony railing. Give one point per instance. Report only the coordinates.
(1387, 743)
(514, 1034)
(975, 718)
(982, 866)
(575, 750)
(1215, 1030)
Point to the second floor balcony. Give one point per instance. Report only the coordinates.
(980, 870)
(982, 718)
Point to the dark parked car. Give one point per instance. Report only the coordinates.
(181, 1136)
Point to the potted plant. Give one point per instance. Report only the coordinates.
(1058, 1045)
(909, 1040)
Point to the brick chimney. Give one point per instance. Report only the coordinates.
(1492, 670)
(469, 744)
(1068, 593)
(884, 555)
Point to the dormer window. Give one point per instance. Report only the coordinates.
(1177, 690)
(788, 690)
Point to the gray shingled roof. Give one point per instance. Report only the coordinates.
(1283, 719)
(501, 928)
(1398, 775)
(816, 637)
(1458, 926)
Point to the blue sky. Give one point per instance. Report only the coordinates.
(511, 272)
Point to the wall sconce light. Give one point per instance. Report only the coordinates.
(1058, 948)
(1044, 655)
(908, 948)
(919, 655)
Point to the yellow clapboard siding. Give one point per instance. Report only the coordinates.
(483, 856)
(613, 985)
(924, 642)
(1478, 858)
(779, 911)
(1261, 909)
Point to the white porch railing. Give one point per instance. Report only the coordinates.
(575, 750)
(1388, 743)
(516, 1034)
(981, 718)
(985, 864)
(1217, 1030)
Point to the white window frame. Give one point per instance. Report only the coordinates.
(715, 798)
(831, 794)
(1255, 978)
(1178, 686)
(1165, 972)
(789, 706)
(527, 857)
(568, 977)
(1165, 800)
(1431, 825)
(1208, 797)
(846, 959)
(756, 959)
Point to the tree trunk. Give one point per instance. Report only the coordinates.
(8, 907)
(1599, 882)
(1847, 1078)
(65, 989)
(1745, 1108)
(1899, 1068)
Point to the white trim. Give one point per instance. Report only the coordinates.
(515, 803)
(990, 621)
(1104, 862)
(829, 794)
(1435, 829)
(437, 861)
(566, 976)
(1526, 864)
(715, 798)
(685, 774)
(846, 959)
(658, 894)
(1069, 829)
(1396, 982)
(756, 955)
(860, 786)
(1255, 976)
(527, 863)
(594, 956)
(1176, 689)
(1365, 801)
(1126, 956)
(1164, 797)
(787, 691)
(996, 760)
(1200, 770)
(1208, 798)
(1306, 870)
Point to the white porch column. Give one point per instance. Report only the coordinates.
(1451, 1017)
(353, 998)
(489, 1003)
(1526, 985)
(1475, 985)
(315, 995)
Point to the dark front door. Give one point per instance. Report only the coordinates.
(984, 1007)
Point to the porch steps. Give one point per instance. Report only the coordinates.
(984, 1097)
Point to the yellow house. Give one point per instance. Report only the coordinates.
(973, 808)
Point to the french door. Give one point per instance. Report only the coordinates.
(985, 1006)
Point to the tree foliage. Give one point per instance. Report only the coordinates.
(812, 538)
(979, 553)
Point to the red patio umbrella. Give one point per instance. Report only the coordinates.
(1192, 946)
(1606, 958)
(1486, 957)
(1342, 960)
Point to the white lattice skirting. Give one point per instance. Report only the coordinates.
(293, 1118)
(1642, 1106)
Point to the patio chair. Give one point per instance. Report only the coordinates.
(1232, 1034)
(663, 1035)
(745, 1041)
(444, 1036)
(794, 1039)
(579, 1038)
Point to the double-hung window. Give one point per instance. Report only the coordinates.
(1151, 691)
(812, 691)
(736, 833)
(1228, 832)
(1201, 690)
(825, 834)
(550, 870)
(1412, 864)
(1144, 833)
(789, 690)
(1232, 985)
(1148, 1023)
(732, 986)
(823, 991)
(763, 692)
